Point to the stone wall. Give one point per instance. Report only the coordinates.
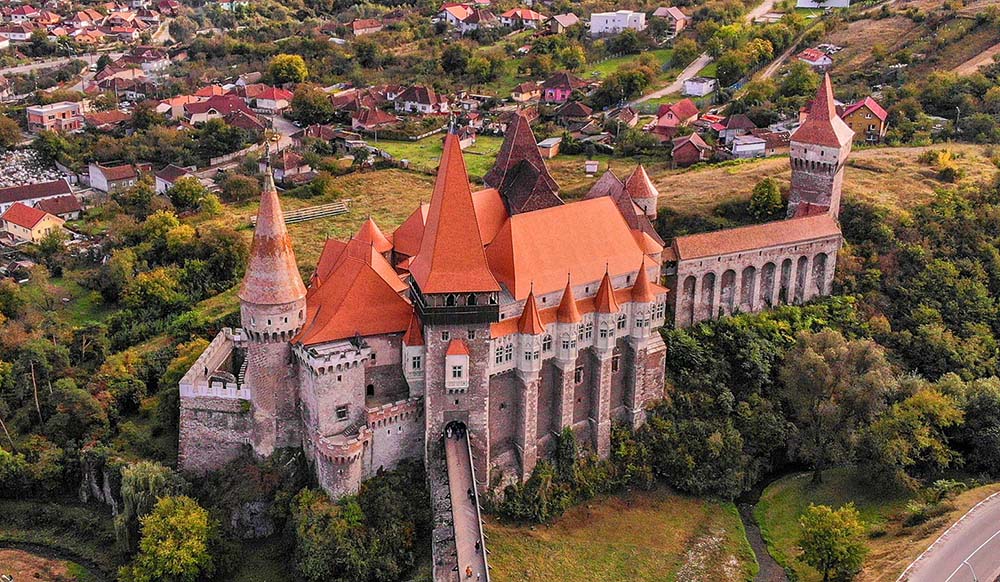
(504, 412)
(213, 432)
(397, 434)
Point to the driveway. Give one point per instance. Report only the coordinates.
(968, 551)
(703, 60)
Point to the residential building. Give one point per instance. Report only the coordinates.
(815, 58)
(32, 194)
(421, 99)
(61, 116)
(689, 149)
(27, 224)
(111, 178)
(363, 26)
(747, 146)
(867, 119)
(699, 86)
(607, 23)
(559, 87)
(522, 18)
(66, 207)
(559, 23)
(677, 19)
(527, 91)
(168, 176)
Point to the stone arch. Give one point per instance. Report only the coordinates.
(471, 299)
(767, 273)
(450, 300)
(801, 278)
(785, 282)
(819, 274)
(707, 308)
(687, 301)
(747, 283)
(727, 292)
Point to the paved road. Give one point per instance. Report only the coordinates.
(466, 516)
(973, 540)
(89, 58)
(703, 60)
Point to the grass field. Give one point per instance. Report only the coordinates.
(892, 546)
(426, 153)
(21, 564)
(638, 537)
(710, 70)
(604, 68)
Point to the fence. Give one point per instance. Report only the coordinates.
(312, 212)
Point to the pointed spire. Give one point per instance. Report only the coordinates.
(451, 256)
(519, 172)
(639, 186)
(371, 233)
(642, 291)
(823, 126)
(530, 322)
(567, 311)
(414, 335)
(605, 300)
(272, 276)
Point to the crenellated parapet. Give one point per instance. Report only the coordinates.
(332, 358)
(212, 374)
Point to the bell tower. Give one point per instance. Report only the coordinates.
(819, 150)
(272, 311)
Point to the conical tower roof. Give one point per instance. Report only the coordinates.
(642, 291)
(605, 300)
(823, 126)
(519, 172)
(272, 276)
(639, 186)
(530, 322)
(451, 257)
(371, 233)
(567, 311)
(414, 335)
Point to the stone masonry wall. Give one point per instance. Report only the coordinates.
(213, 432)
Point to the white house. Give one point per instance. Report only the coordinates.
(603, 23)
(108, 179)
(699, 86)
(822, 3)
(166, 177)
(748, 146)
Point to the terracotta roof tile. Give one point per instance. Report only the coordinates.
(567, 312)
(406, 238)
(414, 335)
(519, 172)
(371, 233)
(639, 186)
(823, 126)
(23, 215)
(643, 291)
(530, 322)
(39, 190)
(605, 301)
(872, 106)
(59, 205)
(755, 237)
(457, 347)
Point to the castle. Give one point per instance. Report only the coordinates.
(506, 311)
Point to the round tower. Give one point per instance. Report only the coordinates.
(819, 150)
(272, 311)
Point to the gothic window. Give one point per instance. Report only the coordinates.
(534, 355)
(579, 332)
(416, 363)
(578, 374)
(508, 352)
(342, 412)
(588, 331)
(547, 343)
(604, 333)
(498, 357)
(471, 334)
(565, 343)
(616, 362)
(622, 321)
(373, 358)
(493, 299)
(659, 311)
(527, 355)
(449, 300)
(445, 336)
(471, 299)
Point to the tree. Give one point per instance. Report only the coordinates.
(143, 483)
(685, 51)
(210, 205)
(177, 539)
(454, 59)
(187, 192)
(10, 132)
(182, 29)
(311, 104)
(288, 69)
(833, 541)
(765, 201)
(800, 81)
(237, 188)
(731, 66)
(832, 387)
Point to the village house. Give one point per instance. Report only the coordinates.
(670, 117)
(168, 176)
(815, 58)
(23, 13)
(559, 23)
(522, 18)
(421, 99)
(214, 108)
(363, 26)
(32, 194)
(689, 149)
(747, 146)
(111, 178)
(17, 32)
(66, 207)
(61, 116)
(527, 91)
(26, 224)
(107, 121)
(369, 119)
(272, 100)
(699, 86)
(732, 127)
(573, 112)
(285, 165)
(867, 119)
(559, 87)
(549, 148)
(677, 19)
(607, 23)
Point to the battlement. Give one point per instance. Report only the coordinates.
(335, 357)
(216, 373)
(394, 412)
(346, 448)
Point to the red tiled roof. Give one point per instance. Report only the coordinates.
(23, 215)
(823, 126)
(365, 24)
(457, 347)
(451, 257)
(522, 14)
(872, 106)
(811, 55)
(757, 236)
(30, 191)
(368, 117)
(60, 205)
(643, 291)
(563, 81)
(530, 322)
(372, 234)
(406, 238)
(116, 173)
(639, 186)
(605, 301)
(272, 276)
(567, 311)
(414, 335)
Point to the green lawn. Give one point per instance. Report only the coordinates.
(604, 68)
(710, 70)
(426, 153)
(638, 537)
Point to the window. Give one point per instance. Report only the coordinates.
(457, 372)
(498, 357)
(342, 412)
(370, 390)
(547, 343)
(588, 331)
(416, 363)
(508, 352)
(659, 311)
(471, 299)
(472, 334)
(616, 362)
(445, 336)
(604, 333)
(373, 358)
(565, 343)
(622, 321)
(578, 374)
(449, 300)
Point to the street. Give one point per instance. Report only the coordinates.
(88, 58)
(702, 61)
(969, 551)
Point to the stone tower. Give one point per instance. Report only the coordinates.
(456, 299)
(819, 150)
(642, 191)
(272, 310)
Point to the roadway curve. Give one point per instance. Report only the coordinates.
(88, 58)
(703, 59)
(969, 550)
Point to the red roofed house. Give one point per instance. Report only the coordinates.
(421, 99)
(23, 13)
(867, 119)
(522, 18)
(66, 207)
(273, 100)
(672, 116)
(27, 224)
(32, 194)
(111, 178)
(815, 58)
(689, 149)
(363, 26)
(527, 91)
(672, 14)
(559, 87)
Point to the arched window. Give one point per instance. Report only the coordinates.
(449, 300)
(471, 299)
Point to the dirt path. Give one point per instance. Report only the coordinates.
(984, 58)
(36, 562)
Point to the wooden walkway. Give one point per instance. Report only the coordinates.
(311, 213)
(465, 509)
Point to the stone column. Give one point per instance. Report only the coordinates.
(526, 436)
(831, 268)
(567, 385)
(737, 290)
(755, 289)
(808, 286)
(793, 277)
(600, 412)
(716, 297)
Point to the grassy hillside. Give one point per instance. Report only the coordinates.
(641, 536)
